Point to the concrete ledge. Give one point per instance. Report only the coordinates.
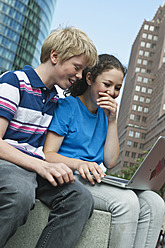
(95, 234)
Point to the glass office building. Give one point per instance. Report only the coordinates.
(24, 25)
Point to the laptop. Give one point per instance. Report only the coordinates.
(150, 175)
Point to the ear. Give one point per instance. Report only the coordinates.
(88, 78)
(53, 57)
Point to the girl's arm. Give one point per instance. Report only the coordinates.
(51, 147)
(111, 147)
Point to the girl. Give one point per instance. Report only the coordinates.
(83, 134)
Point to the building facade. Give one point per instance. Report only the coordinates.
(141, 118)
(24, 25)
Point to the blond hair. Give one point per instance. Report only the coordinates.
(68, 42)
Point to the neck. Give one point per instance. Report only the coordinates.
(86, 100)
(43, 71)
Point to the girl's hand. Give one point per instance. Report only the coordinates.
(89, 169)
(108, 104)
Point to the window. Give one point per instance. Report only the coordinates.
(150, 63)
(144, 35)
(139, 109)
(153, 46)
(146, 54)
(144, 62)
(151, 54)
(141, 146)
(148, 45)
(141, 99)
(137, 135)
(143, 89)
(143, 70)
(129, 143)
(137, 69)
(143, 135)
(146, 26)
(125, 164)
(131, 133)
(142, 44)
(137, 88)
(133, 155)
(127, 153)
(163, 59)
(145, 110)
(144, 119)
(148, 100)
(139, 61)
(132, 116)
(145, 80)
(135, 144)
(139, 79)
(149, 91)
(141, 52)
(155, 37)
(135, 97)
(134, 107)
(139, 155)
(151, 28)
(138, 118)
(164, 106)
(150, 36)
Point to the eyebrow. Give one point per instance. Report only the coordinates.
(105, 81)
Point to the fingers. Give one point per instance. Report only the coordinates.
(107, 103)
(106, 99)
(59, 173)
(90, 170)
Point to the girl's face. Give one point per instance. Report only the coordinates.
(109, 82)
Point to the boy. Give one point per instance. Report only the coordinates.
(27, 102)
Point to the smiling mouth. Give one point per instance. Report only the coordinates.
(71, 81)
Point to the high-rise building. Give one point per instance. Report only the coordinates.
(141, 118)
(24, 25)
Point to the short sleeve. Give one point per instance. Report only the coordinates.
(62, 117)
(9, 95)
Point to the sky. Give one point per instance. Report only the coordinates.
(111, 25)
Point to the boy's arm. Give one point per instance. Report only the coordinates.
(51, 147)
(53, 172)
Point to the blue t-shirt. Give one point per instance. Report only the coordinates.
(85, 133)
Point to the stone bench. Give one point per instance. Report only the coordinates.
(95, 234)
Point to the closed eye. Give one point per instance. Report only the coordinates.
(107, 84)
(117, 88)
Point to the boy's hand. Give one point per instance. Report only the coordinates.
(87, 169)
(56, 173)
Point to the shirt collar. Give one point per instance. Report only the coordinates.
(35, 80)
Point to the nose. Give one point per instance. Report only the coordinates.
(79, 75)
(111, 91)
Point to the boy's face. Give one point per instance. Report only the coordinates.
(66, 73)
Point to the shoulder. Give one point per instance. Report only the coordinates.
(9, 78)
(67, 102)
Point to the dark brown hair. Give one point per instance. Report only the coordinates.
(105, 63)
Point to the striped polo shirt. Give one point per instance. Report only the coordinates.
(29, 107)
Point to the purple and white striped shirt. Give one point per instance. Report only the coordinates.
(29, 107)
